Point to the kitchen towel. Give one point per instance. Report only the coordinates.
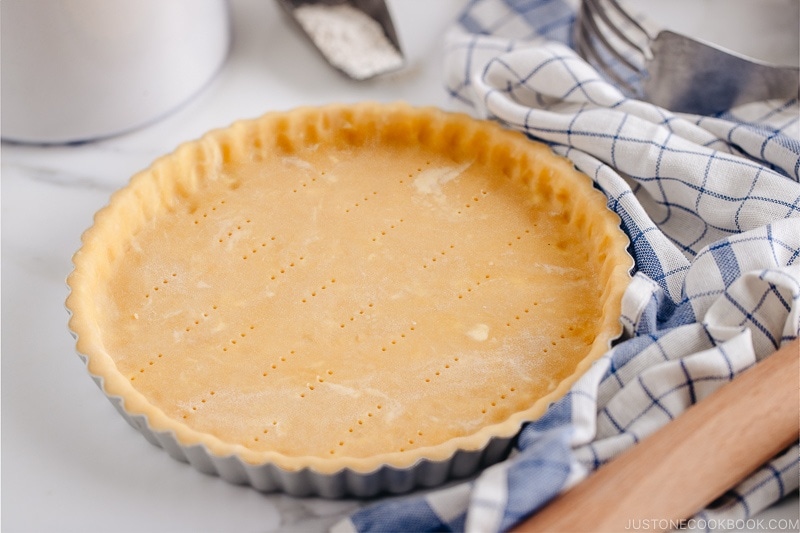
(712, 208)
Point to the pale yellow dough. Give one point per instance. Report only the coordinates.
(348, 286)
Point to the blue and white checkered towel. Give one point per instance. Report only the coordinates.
(712, 208)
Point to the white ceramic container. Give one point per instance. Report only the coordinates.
(78, 70)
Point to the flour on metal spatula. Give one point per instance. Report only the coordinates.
(349, 39)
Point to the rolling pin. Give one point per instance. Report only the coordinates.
(681, 468)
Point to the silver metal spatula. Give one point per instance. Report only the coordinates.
(356, 37)
(675, 71)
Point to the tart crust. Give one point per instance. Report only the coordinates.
(349, 286)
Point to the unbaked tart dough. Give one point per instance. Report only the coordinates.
(348, 286)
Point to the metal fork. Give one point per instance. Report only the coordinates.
(671, 70)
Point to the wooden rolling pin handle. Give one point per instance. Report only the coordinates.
(684, 466)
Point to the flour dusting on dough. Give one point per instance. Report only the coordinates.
(430, 181)
(479, 332)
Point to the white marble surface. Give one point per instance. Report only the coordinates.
(69, 462)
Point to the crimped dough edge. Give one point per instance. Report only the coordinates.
(551, 179)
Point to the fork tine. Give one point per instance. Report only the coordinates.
(601, 11)
(588, 37)
(635, 23)
(593, 31)
(589, 53)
